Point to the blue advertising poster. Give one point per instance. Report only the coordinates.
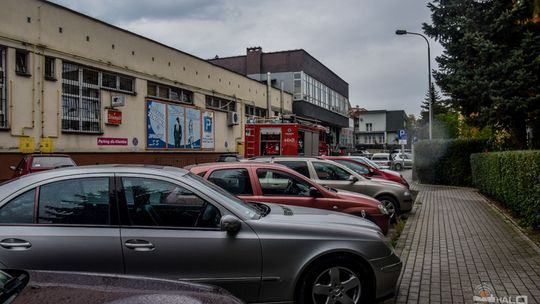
(193, 129)
(175, 126)
(208, 130)
(155, 125)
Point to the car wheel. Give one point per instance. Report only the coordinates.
(398, 167)
(338, 281)
(390, 204)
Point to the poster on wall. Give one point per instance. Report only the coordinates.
(155, 125)
(175, 126)
(193, 128)
(208, 141)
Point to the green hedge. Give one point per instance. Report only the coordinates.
(446, 162)
(513, 179)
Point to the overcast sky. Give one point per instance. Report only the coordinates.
(354, 38)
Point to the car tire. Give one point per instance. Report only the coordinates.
(391, 205)
(398, 167)
(335, 279)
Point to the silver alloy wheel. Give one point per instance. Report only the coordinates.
(398, 167)
(390, 207)
(337, 285)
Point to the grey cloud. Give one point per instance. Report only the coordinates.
(354, 38)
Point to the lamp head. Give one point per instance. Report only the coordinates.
(401, 32)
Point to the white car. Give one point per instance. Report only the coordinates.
(402, 161)
(383, 160)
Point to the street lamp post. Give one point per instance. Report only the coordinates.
(404, 32)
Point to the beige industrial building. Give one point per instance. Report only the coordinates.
(73, 84)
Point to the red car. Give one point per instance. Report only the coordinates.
(273, 183)
(41, 162)
(367, 170)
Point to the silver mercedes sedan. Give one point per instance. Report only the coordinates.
(166, 222)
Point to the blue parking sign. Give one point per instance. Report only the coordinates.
(402, 134)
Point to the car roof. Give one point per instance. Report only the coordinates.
(36, 177)
(246, 164)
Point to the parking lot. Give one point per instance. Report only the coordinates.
(456, 246)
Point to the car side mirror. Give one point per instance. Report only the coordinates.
(230, 223)
(353, 179)
(12, 168)
(314, 192)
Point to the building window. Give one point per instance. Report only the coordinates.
(50, 68)
(114, 81)
(213, 102)
(169, 93)
(3, 89)
(369, 127)
(81, 107)
(21, 62)
(255, 111)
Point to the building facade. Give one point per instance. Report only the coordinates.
(377, 129)
(318, 93)
(73, 84)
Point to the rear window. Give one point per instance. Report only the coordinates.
(298, 166)
(51, 162)
(379, 157)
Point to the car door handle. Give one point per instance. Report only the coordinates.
(15, 244)
(140, 245)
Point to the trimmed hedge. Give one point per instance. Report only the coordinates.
(446, 162)
(513, 179)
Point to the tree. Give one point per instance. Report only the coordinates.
(491, 65)
(445, 119)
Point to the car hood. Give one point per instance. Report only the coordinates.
(391, 172)
(389, 183)
(355, 196)
(323, 219)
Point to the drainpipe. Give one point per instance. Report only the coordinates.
(281, 99)
(268, 97)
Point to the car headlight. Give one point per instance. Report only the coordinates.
(407, 193)
(383, 209)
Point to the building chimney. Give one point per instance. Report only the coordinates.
(254, 61)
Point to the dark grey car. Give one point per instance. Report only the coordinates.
(165, 222)
(57, 287)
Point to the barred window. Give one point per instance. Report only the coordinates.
(255, 111)
(213, 102)
(169, 93)
(81, 107)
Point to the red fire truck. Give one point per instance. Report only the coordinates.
(285, 139)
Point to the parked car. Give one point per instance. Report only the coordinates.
(41, 162)
(370, 163)
(366, 170)
(54, 287)
(394, 196)
(167, 222)
(383, 160)
(262, 182)
(231, 157)
(402, 161)
(364, 153)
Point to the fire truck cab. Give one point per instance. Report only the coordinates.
(284, 139)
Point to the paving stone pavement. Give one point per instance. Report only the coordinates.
(454, 241)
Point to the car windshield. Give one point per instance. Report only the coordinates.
(223, 196)
(367, 162)
(360, 169)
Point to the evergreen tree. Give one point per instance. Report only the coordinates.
(491, 63)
